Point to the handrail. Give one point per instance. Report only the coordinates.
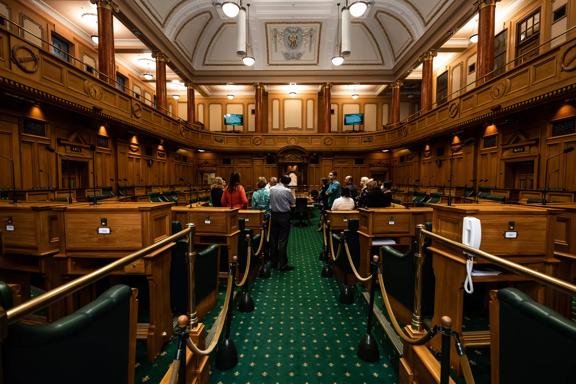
(482, 80)
(549, 281)
(100, 75)
(75, 285)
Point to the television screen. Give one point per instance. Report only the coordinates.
(232, 119)
(354, 119)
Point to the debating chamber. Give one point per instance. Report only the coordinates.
(288, 192)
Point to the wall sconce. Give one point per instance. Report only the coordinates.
(94, 39)
(147, 76)
(230, 97)
(292, 89)
(355, 96)
(176, 97)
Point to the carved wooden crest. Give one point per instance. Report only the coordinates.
(292, 154)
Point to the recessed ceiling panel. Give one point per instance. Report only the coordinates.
(367, 53)
(189, 35)
(160, 10)
(427, 9)
(396, 32)
(222, 48)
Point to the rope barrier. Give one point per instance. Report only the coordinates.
(261, 242)
(248, 260)
(352, 266)
(217, 327)
(332, 249)
(324, 233)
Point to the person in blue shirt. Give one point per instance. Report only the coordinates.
(333, 191)
(261, 197)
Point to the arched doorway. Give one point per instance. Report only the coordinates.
(293, 161)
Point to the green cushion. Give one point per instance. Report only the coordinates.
(536, 344)
(92, 344)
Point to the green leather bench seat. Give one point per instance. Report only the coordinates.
(89, 346)
(537, 345)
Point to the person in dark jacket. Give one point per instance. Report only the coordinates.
(375, 197)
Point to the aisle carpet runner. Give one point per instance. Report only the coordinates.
(299, 332)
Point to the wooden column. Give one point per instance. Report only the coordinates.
(326, 128)
(395, 108)
(485, 52)
(259, 107)
(106, 61)
(427, 81)
(161, 100)
(190, 103)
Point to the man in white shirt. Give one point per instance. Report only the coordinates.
(281, 201)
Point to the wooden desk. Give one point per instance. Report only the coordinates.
(131, 226)
(31, 236)
(339, 219)
(564, 235)
(392, 223)
(532, 245)
(253, 219)
(214, 225)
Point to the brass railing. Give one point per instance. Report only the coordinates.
(56, 294)
(519, 269)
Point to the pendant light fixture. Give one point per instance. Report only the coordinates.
(338, 59)
(358, 8)
(230, 8)
(248, 59)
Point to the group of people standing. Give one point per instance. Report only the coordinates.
(276, 199)
(333, 196)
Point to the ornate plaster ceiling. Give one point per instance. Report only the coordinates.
(201, 41)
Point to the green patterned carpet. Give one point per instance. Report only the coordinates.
(299, 332)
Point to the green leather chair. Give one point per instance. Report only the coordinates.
(206, 271)
(536, 344)
(89, 346)
(398, 267)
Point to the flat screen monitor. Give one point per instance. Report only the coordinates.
(233, 119)
(354, 119)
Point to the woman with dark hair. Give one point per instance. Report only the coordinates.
(234, 195)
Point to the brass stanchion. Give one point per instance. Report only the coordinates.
(265, 271)
(446, 332)
(245, 302)
(227, 356)
(327, 270)
(368, 348)
(192, 277)
(416, 324)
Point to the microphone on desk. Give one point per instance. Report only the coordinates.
(546, 171)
